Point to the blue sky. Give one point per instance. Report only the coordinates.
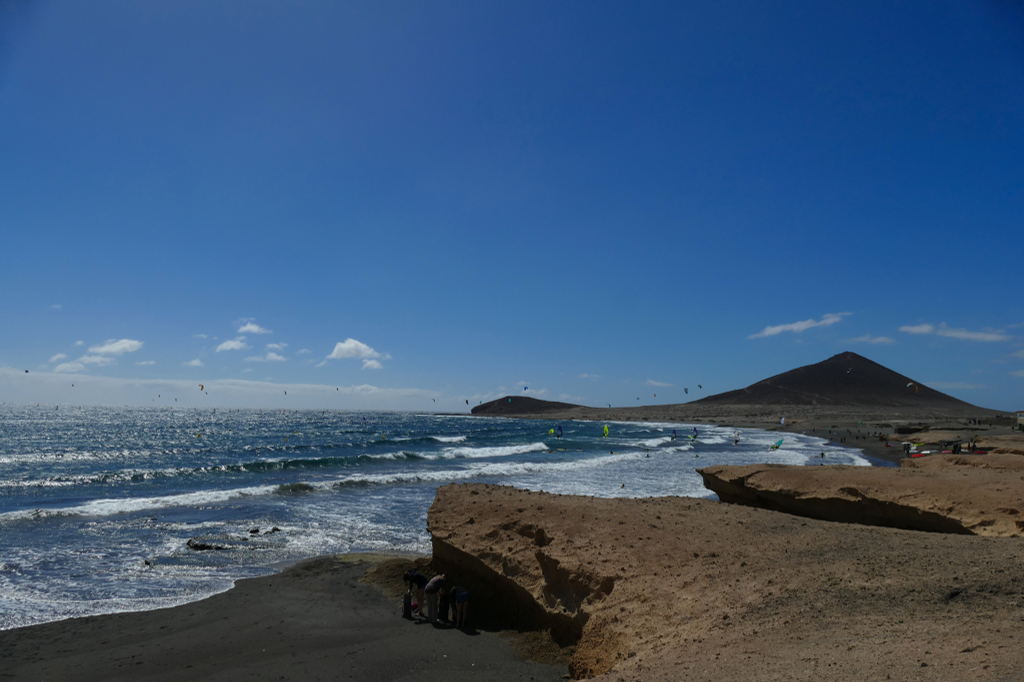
(411, 205)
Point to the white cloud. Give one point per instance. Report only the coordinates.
(277, 346)
(350, 348)
(234, 344)
(251, 327)
(101, 360)
(199, 336)
(797, 327)
(590, 376)
(269, 357)
(1015, 354)
(56, 306)
(651, 382)
(193, 363)
(322, 363)
(146, 362)
(69, 367)
(301, 351)
(117, 347)
(953, 333)
(867, 338)
(79, 343)
(1018, 373)
(58, 356)
(51, 387)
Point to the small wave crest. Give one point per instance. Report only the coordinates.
(496, 451)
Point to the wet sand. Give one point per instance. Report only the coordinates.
(314, 621)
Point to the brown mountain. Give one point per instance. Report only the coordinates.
(844, 380)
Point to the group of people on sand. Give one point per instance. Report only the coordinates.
(439, 597)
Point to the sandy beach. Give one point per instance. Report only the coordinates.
(313, 621)
(636, 589)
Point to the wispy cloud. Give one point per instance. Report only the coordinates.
(953, 385)
(302, 351)
(146, 362)
(117, 347)
(250, 327)
(277, 346)
(350, 348)
(234, 344)
(798, 327)
(193, 363)
(1015, 354)
(56, 306)
(58, 356)
(651, 382)
(69, 367)
(590, 376)
(867, 338)
(98, 360)
(1018, 373)
(269, 357)
(954, 333)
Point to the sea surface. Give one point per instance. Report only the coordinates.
(105, 509)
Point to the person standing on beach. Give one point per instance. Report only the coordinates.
(416, 579)
(433, 587)
(459, 598)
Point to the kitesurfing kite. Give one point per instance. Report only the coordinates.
(699, 386)
(686, 391)
(200, 387)
(914, 385)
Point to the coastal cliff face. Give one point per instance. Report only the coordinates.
(980, 494)
(689, 589)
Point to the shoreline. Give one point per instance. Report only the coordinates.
(299, 624)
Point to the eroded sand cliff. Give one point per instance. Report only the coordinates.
(688, 589)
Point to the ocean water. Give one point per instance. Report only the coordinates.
(102, 509)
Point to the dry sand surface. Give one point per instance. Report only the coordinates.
(980, 499)
(687, 589)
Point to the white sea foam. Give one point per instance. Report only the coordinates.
(109, 507)
(497, 451)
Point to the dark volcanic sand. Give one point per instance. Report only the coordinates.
(314, 621)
